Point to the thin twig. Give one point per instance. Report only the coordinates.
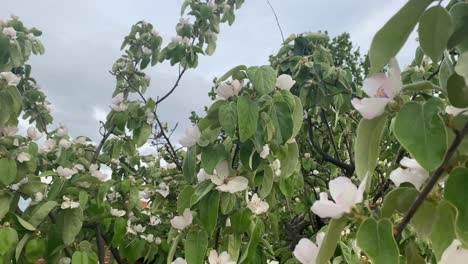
(277, 20)
(330, 133)
(173, 87)
(432, 181)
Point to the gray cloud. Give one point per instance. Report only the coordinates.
(82, 40)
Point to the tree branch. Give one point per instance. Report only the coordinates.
(432, 181)
(173, 87)
(330, 133)
(277, 20)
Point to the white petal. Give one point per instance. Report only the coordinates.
(285, 82)
(327, 208)
(451, 110)
(306, 251)
(374, 85)
(213, 258)
(454, 254)
(370, 108)
(343, 192)
(360, 192)
(394, 75)
(234, 185)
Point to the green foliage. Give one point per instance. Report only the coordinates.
(375, 238)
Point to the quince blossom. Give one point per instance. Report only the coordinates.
(411, 172)
(257, 206)
(285, 82)
(202, 175)
(345, 194)
(223, 258)
(226, 183)
(307, 251)
(117, 212)
(181, 222)
(93, 169)
(454, 254)
(8, 131)
(23, 156)
(118, 103)
(10, 32)
(179, 260)
(11, 78)
(451, 110)
(381, 90)
(265, 152)
(191, 137)
(163, 189)
(68, 203)
(33, 134)
(66, 173)
(225, 90)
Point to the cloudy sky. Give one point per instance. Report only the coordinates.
(82, 40)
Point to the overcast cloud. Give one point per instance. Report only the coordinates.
(83, 37)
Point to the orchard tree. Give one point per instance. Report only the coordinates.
(320, 157)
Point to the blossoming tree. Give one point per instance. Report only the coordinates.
(321, 156)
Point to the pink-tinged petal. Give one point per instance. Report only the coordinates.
(361, 189)
(234, 185)
(343, 191)
(213, 258)
(374, 85)
(454, 254)
(370, 108)
(394, 75)
(319, 238)
(410, 163)
(306, 251)
(326, 208)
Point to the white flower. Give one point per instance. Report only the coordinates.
(80, 140)
(179, 261)
(223, 258)
(451, 110)
(170, 166)
(15, 187)
(272, 262)
(62, 131)
(163, 189)
(146, 51)
(181, 222)
(33, 134)
(24, 181)
(224, 182)
(454, 254)
(10, 32)
(412, 173)
(225, 90)
(150, 118)
(65, 260)
(212, 4)
(8, 131)
(315, 172)
(158, 241)
(117, 212)
(31, 36)
(191, 137)
(149, 238)
(181, 40)
(48, 146)
(276, 166)
(265, 152)
(118, 103)
(66, 173)
(16, 142)
(154, 220)
(23, 156)
(306, 251)
(154, 32)
(345, 194)
(78, 167)
(63, 143)
(11, 78)
(67, 203)
(184, 21)
(38, 196)
(285, 82)
(93, 169)
(139, 228)
(202, 175)
(381, 90)
(257, 206)
(306, 155)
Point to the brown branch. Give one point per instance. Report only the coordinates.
(432, 181)
(330, 132)
(100, 244)
(173, 87)
(277, 20)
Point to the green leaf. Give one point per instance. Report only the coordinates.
(196, 245)
(25, 224)
(421, 130)
(7, 171)
(201, 190)
(8, 239)
(208, 208)
(462, 65)
(263, 79)
(230, 73)
(184, 198)
(446, 70)
(228, 117)
(254, 239)
(70, 221)
(189, 165)
(376, 240)
(41, 212)
(172, 250)
(457, 91)
(211, 156)
(455, 192)
(459, 39)
(435, 29)
(333, 235)
(5, 199)
(133, 249)
(120, 229)
(281, 116)
(35, 249)
(399, 199)
(21, 244)
(393, 35)
(289, 162)
(267, 182)
(367, 147)
(412, 254)
(141, 134)
(241, 220)
(297, 116)
(247, 111)
(228, 202)
(443, 231)
(185, 4)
